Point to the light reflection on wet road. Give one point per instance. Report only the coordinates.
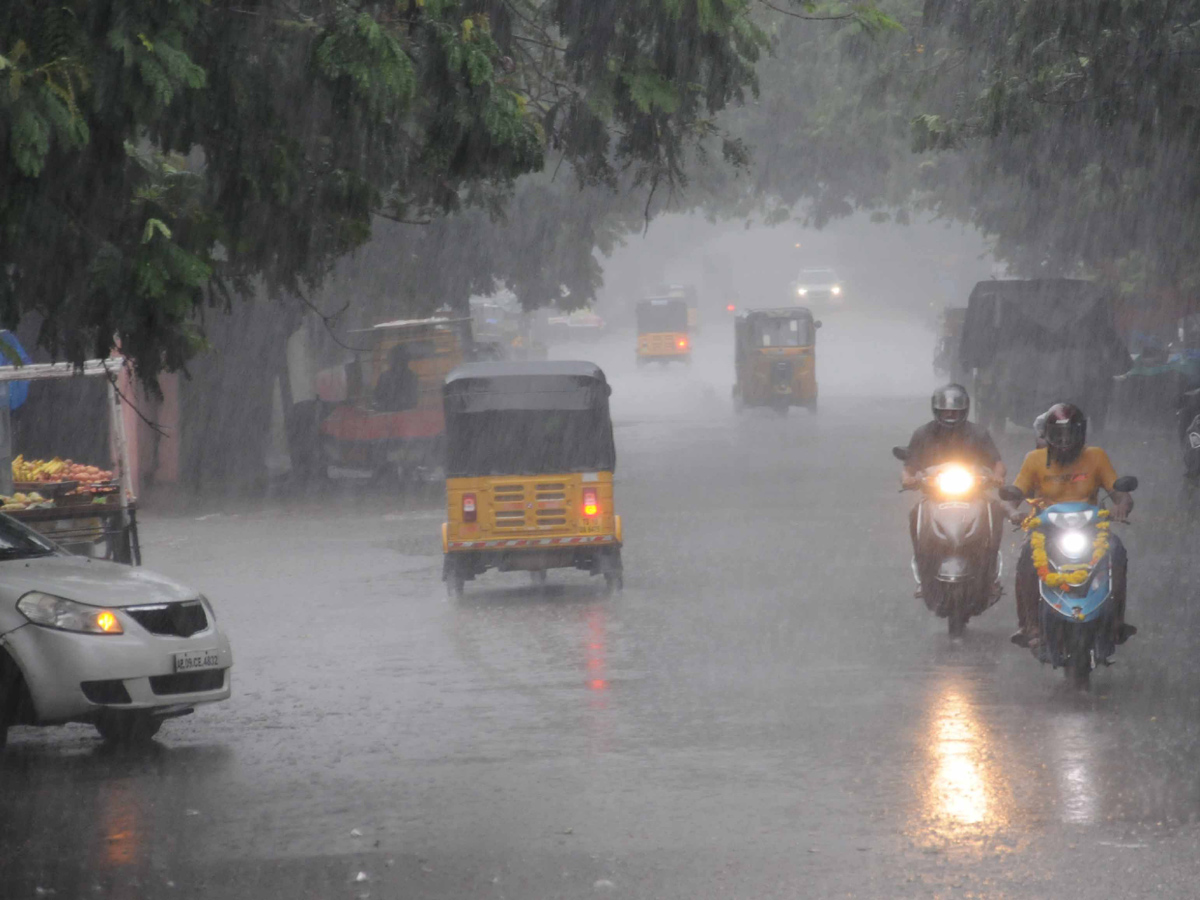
(764, 712)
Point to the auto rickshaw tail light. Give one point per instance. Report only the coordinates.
(591, 506)
(468, 508)
(681, 343)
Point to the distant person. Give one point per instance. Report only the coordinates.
(397, 387)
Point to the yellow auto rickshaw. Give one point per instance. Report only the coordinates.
(529, 472)
(370, 428)
(663, 330)
(776, 359)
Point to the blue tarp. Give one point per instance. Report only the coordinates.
(18, 391)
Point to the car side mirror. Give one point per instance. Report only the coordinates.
(901, 453)
(1125, 484)
(1011, 493)
(817, 324)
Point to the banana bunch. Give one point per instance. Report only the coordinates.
(23, 501)
(37, 469)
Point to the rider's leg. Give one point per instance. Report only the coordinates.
(1120, 569)
(998, 520)
(912, 533)
(1027, 598)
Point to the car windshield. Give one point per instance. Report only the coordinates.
(818, 276)
(784, 332)
(20, 542)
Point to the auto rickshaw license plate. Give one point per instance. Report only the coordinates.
(191, 660)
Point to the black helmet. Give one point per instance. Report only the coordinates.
(951, 405)
(1066, 432)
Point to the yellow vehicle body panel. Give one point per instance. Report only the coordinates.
(754, 376)
(664, 345)
(530, 512)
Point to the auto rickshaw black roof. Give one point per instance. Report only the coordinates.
(539, 384)
(779, 312)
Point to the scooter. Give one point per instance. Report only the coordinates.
(955, 526)
(1077, 617)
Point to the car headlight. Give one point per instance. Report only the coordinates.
(1074, 544)
(836, 290)
(801, 292)
(955, 481)
(67, 615)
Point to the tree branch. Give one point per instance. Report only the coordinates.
(806, 16)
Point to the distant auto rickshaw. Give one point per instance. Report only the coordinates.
(529, 472)
(775, 358)
(386, 405)
(663, 330)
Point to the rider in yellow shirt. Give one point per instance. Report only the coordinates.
(1067, 471)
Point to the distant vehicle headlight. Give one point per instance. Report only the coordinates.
(1074, 544)
(67, 615)
(836, 290)
(801, 292)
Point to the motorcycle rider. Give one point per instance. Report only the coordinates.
(1066, 470)
(951, 438)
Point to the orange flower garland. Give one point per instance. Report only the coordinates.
(1041, 562)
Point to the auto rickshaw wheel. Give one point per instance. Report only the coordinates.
(538, 577)
(811, 406)
(128, 728)
(454, 580)
(614, 582)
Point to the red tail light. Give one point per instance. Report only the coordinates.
(730, 308)
(681, 343)
(468, 508)
(590, 505)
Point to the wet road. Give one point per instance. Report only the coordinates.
(764, 712)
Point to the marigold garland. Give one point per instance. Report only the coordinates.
(1041, 562)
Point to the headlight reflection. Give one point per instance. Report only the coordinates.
(964, 794)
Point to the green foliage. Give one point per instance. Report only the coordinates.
(165, 155)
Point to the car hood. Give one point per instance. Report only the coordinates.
(90, 581)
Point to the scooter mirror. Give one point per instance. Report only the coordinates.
(1011, 493)
(901, 453)
(1125, 484)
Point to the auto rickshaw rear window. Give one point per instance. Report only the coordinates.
(662, 316)
(784, 332)
(529, 442)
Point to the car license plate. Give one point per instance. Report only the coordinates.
(191, 660)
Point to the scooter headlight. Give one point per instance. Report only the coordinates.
(1074, 544)
(955, 481)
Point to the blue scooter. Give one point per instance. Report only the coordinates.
(1077, 622)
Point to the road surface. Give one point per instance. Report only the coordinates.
(764, 712)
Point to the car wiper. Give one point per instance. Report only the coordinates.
(17, 553)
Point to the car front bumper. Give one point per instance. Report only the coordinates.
(55, 664)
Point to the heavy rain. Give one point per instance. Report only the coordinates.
(623, 448)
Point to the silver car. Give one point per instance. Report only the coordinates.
(83, 640)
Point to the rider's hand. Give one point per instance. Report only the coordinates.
(909, 482)
(1016, 517)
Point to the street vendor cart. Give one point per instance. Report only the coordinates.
(82, 508)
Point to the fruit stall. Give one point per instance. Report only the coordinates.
(84, 507)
